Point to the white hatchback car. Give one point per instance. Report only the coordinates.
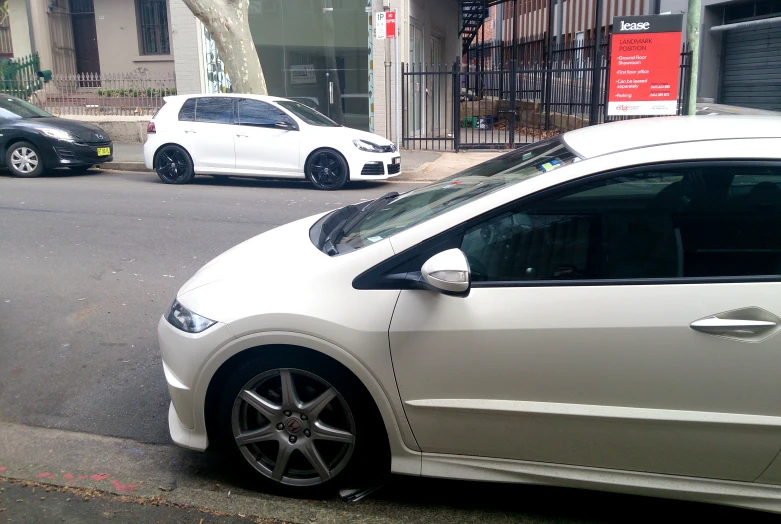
(251, 135)
(598, 310)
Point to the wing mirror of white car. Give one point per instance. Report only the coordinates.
(447, 272)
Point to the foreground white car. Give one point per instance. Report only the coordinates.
(250, 135)
(597, 310)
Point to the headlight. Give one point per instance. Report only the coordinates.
(182, 318)
(363, 145)
(58, 134)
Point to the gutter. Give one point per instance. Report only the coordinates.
(751, 24)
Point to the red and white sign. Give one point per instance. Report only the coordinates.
(385, 24)
(645, 59)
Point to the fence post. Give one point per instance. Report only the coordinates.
(549, 65)
(596, 70)
(513, 86)
(400, 139)
(456, 101)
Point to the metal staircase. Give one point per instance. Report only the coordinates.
(473, 13)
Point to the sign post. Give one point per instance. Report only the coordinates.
(645, 54)
(385, 24)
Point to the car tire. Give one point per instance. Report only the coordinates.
(327, 170)
(173, 165)
(24, 160)
(300, 431)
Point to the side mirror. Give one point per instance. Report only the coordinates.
(285, 125)
(447, 272)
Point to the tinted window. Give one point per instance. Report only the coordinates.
(307, 114)
(255, 113)
(187, 112)
(698, 222)
(12, 107)
(214, 110)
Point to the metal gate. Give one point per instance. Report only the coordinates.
(751, 72)
(452, 107)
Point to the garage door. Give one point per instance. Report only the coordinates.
(751, 75)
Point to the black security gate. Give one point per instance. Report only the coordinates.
(454, 107)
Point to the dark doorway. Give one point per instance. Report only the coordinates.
(85, 36)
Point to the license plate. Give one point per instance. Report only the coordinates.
(397, 160)
(104, 151)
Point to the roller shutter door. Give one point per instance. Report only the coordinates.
(751, 74)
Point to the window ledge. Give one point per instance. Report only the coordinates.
(154, 58)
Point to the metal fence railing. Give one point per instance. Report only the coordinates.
(109, 94)
(19, 77)
(487, 105)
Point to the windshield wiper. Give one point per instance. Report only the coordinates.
(348, 223)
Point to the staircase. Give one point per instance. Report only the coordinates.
(473, 13)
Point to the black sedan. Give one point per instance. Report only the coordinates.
(32, 140)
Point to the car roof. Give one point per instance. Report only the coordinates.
(264, 98)
(604, 139)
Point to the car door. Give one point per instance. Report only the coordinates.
(628, 321)
(204, 129)
(263, 146)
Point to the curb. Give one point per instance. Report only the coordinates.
(125, 166)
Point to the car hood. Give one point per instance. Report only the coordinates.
(84, 132)
(351, 134)
(279, 271)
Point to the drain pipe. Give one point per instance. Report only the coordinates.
(30, 26)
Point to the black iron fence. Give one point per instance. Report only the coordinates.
(536, 95)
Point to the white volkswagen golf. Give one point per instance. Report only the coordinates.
(251, 135)
(595, 310)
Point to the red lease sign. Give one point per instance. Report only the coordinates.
(645, 58)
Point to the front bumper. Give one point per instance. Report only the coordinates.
(184, 356)
(374, 166)
(65, 154)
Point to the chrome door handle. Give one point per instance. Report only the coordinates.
(242, 136)
(715, 325)
(189, 130)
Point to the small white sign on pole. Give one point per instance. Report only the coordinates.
(385, 24)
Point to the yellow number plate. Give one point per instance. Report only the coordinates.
(104, 151)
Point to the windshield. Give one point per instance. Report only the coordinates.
(417, 206)
(307, 114)
(12, 107)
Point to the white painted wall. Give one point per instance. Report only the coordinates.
(20, 29)
(188, 57)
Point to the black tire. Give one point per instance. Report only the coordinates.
(174, 165)
(80, 169)
(24, 160)
(368, 456)
(327, 170)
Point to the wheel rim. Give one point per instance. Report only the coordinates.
(293, 427)
(172, 165)
(24, 160)
(326, 170)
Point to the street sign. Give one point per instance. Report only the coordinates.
(645, 54)
(385, 24)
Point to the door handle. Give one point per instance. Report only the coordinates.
(189, 130)
(715, 325)
(242, 136)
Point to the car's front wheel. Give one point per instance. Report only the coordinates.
(302, 426)
(327, 170)
(24, 160)
(173, 165)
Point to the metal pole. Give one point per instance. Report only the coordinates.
(388, 88)
(398, 90)
(596, 69)
(693, 37)
(549, 62)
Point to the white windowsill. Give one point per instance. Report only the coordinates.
(154, 58)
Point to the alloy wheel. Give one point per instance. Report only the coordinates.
(327, 171)
(173, 165)
(24, 160)
(293, 427)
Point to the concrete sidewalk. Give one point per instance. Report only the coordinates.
(416, 166)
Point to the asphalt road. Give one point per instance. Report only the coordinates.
(87, 266)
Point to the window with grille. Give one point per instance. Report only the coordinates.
(153, 27)
(6, 47)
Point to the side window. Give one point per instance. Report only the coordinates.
(256, 113)
(187, 112)
(214, 110)
(698, 222)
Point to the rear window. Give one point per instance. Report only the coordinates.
(187, 112)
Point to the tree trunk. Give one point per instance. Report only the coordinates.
(228, 23)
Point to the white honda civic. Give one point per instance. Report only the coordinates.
(251, 135)
(597, 310)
